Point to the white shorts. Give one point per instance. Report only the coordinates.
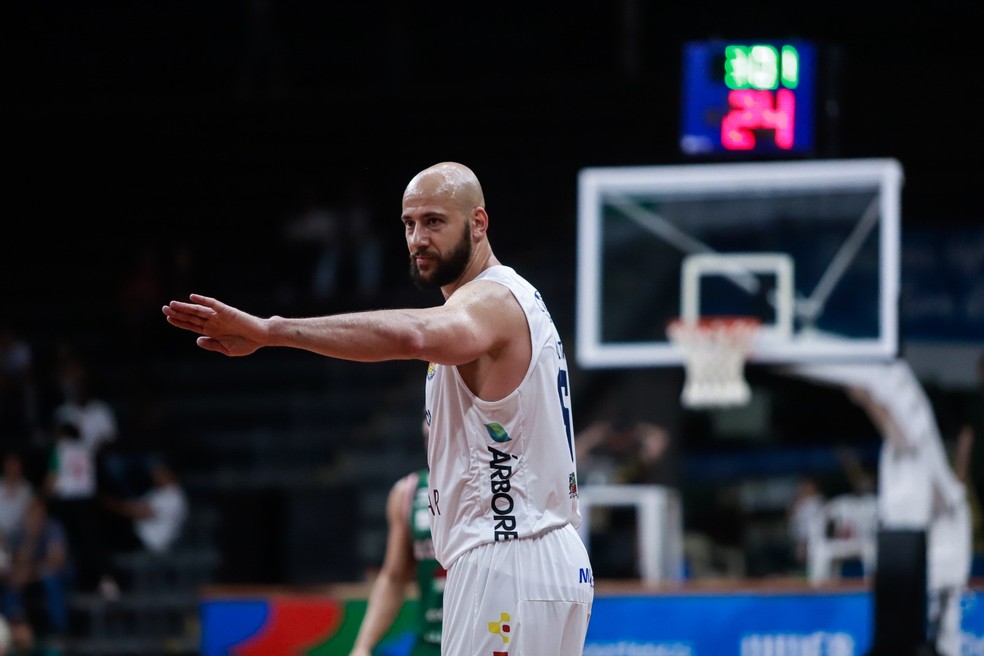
(529, 597)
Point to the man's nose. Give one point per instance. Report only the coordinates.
(417, 237)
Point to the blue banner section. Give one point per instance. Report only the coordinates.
(229, 622)
(808, 624)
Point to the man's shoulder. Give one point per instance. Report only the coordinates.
(505, 281)
(501, 273)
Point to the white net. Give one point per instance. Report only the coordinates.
(715, 350)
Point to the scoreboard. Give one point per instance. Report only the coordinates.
(749, 98)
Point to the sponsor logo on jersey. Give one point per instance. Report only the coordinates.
(500, 471)
(585, 575)
(431, 370)
(497, 432)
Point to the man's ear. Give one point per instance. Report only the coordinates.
(479, 221)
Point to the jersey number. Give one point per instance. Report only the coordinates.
(563, 390)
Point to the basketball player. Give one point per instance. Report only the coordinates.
(503, 488)
(409, 549)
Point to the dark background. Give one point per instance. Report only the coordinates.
(208, 117)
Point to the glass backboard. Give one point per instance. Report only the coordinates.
(810, 248)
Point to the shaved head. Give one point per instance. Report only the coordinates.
(445, 220)
(452, 182)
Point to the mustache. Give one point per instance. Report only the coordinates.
(422, 253)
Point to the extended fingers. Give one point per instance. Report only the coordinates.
(191, 308)
(180, 322)
(206, 301)
(187, 315)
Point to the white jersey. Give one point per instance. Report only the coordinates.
(502, 470)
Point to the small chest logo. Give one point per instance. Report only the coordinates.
(497, 432)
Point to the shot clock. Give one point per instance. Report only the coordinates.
(749, 98)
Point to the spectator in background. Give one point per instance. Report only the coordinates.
(94, 417)
(64, 375)
(366, 249)
(314, 235)
(96, 421)
(804, 514)
(622, 451)
(71, 486)
(338, 241)
(626, 451)
(18, 392)
(36, 585)
(23, 641)
(154, 520)
(15, 494)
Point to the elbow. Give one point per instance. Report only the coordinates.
(415, 345)
(411, 339)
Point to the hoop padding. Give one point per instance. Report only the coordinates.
(715, 350)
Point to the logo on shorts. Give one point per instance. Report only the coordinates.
(501, 629)
(431, 370)
(572, 484)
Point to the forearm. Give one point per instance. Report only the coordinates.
(429, 334)
(385, 602)
(364, 336)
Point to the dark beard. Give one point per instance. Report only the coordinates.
(447, 271)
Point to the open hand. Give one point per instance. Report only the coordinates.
(222, 327)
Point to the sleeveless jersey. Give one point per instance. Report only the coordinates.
(502, 470)
(430, 575)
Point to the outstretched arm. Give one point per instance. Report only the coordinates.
(390, 586)
(470, 324)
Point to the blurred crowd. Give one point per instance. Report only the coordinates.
(73, 493)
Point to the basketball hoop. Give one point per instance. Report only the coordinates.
(715, 350)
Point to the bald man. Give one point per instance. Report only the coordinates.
(503, 484)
